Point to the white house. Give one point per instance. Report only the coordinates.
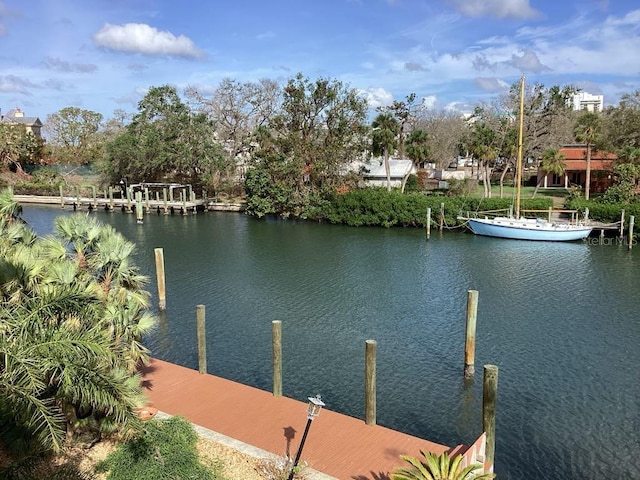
(375, 174)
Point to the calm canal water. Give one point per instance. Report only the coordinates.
(560, 321)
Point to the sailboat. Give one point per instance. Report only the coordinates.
(521, 228)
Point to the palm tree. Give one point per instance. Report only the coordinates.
(72, 313)
(417, 150)
(588, 130)
(552, 162)
(385, 140)
(435, 467)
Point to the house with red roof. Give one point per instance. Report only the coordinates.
(575, 173)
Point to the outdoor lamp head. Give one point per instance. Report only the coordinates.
(315, 404)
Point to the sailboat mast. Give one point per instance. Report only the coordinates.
(519, 162)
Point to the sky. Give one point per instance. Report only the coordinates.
(104, 55)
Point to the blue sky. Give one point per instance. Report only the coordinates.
(103, 55)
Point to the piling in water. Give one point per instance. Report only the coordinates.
(162, 298)
(202, 338)
(632, 219)
(489, 395)
(276, 342)
(470, 336)
(370, 382)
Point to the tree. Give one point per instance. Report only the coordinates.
(417, 150)
(485, 144)
(72, 316)
(302, 154)
(72, 132)
(588, 131)
(446, 133)
(404, 113)
(236, 111)
(17, 146)
(552, 162)
(548, 116)
(622, 123)
(435, 467)
(384, 140)
(165, 141)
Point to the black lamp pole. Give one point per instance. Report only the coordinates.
(315, 404)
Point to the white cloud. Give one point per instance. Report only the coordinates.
(429, 101)
(496, 8)
(377, 97)
(491, 84)
(141, 38)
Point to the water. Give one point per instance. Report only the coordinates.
(560, 321)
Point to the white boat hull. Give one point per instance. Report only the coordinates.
(528, 229)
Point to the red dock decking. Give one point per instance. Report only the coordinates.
(338, 445)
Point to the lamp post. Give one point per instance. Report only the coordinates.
(313, 409)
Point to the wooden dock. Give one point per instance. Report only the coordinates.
(129, 205)
(339, 446)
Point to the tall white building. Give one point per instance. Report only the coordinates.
(586, 101)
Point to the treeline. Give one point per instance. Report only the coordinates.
(292, 147)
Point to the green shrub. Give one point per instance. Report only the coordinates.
(379, 207)
(166, 450)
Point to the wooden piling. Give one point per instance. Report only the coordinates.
(94, 195)
(370, 382)
(428, 227)
(586, 214)
(441, 216)
(164, 199)
(549, 214)
(202, 338)
(470, 337)
(61, 197)
(632, 219)
(276, 343)
(622, 225)
(110, 198)
(147, 204)
(489, 395)
(601, 240)
(162, 297)
(139, 209)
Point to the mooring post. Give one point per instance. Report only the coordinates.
(428, 227)
(370, 383)
(202, 339)
(601, 242)
(171, 194)
(61, 197)
(621, 236)
(276, 344)
(441, 216)
(470, 337)
(129, 210)
(184, 202)
(110, 198)
(164, 199)
(139, 209)
(632, 219)
(162, 297)
(510, 211)
(586, 214)
(94, 195)
(549, 216)
(147, 205)
(489, 395)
